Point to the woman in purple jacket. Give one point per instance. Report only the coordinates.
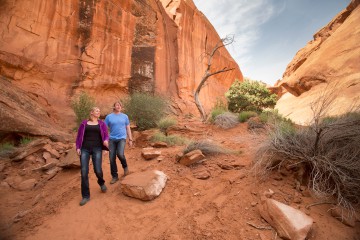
(91, 139)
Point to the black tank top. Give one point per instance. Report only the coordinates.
(92, 137)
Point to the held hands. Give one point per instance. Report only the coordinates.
(106, 144)
(78, 151)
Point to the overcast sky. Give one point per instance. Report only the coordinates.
(268, 33)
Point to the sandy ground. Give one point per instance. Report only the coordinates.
(221, 207)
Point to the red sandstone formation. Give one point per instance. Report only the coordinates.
(333, 57)
(54, 50)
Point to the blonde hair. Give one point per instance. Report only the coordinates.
(92, 110)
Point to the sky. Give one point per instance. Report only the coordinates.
(268, 33)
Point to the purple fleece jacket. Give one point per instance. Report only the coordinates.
(81, 132)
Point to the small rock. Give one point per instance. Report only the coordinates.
(253, 204)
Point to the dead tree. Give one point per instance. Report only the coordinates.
(208, 73)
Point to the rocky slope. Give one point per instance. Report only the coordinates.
(330, 61)
(108, 49)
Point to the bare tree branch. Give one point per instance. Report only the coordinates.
(220, 44)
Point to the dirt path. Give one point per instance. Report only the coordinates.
(221, 207)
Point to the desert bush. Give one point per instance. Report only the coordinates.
(219, 108)
(82, 105)
(170, 139)
(145, 110)
(272, 118)
(207, 148)
(328, 150)
(165, 123)
(245, 115)
(249, 96)
(6, 147)
(25, 140)
(226, 120)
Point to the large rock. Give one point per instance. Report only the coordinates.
(144, 185)
(332, 57)
(110, 48)
(289, 222)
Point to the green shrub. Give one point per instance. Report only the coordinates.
(275, 119)
(245, 115)
(165, 123)
(226, 120)
(25, 140)
(219, 108)
(145, 110)
(5, 148)
(249, 96)
(170, 139)
(82, 106)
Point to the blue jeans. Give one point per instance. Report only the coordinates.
(116, 148)
(96, 158)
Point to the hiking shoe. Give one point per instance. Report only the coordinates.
(103, 188)
(84, 201)
(126, 171)
(114, 180)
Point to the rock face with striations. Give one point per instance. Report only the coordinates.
(332, 59)
(52, 50)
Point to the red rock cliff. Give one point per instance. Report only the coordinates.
(332, 59)
(52, 50)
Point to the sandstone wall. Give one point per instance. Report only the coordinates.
(55, 49)
(330, 61)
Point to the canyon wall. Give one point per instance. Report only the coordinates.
(53, 50)
(330, 62)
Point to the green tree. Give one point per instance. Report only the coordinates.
(82, 106)
(249, 96)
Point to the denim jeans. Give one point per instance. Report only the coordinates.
(116, 148)
(96, 158)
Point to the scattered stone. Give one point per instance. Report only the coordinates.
(192, 157)
(70, 160)
(160, 158)
(253, 204)
(269, 193)
(37, 199)
(178, 156)
(202, 174)
(31, 158)
(46, 155)
(45, 167)
(289, 222)
(26, 185)
(4, 184)
(53, 152)
(159, 145)
(29, 149)
(225, 166)
(150, 153)
(20, 215)
(144, 185)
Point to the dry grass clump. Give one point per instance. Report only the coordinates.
(329, 151)
(169, 139)
(207, 148)
(226, 120)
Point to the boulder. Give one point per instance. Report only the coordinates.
(289, 222)
(144, 185)
(192, 157)
(150, 153)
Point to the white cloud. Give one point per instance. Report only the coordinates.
(243, 18)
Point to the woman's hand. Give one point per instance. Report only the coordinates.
(106, 143)
(78, 151)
